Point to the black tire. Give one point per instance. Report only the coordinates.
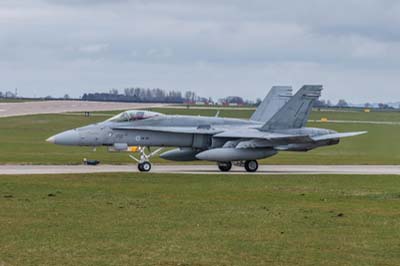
(251, 166)
(139, 166)
(145, 167)
(225, 166)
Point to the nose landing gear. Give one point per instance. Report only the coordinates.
(144, 167)
(144, 164)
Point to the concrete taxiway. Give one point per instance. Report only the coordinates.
(204, 169)
(55, 107)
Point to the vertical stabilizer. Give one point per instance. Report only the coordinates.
(295, 113)
(275, 100)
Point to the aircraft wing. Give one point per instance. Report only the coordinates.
(275, 138)
(278, 138)
(183, 130)
(272, 138)
(245, 134)
(338, 135)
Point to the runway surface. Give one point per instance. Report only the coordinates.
(204, 169)
(55, 107)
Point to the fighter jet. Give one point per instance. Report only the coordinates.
(278, 124)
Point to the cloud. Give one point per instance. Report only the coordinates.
(86, 2)
(93, 48)
(203, 45)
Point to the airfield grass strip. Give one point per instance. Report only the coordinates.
(157, 219)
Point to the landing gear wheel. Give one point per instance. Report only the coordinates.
(225, 166)
(144, 164)
(251, 166)
(144, 167)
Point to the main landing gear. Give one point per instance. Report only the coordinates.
(144, 164)
(250, 166)
(224, 166)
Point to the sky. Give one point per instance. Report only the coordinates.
(213, 47)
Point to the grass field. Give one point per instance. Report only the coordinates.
(357, 115)
(136, 219)
(22, 140)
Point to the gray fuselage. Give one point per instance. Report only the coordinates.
(151, 132)
(105, 133)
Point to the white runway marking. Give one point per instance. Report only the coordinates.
(204, 169)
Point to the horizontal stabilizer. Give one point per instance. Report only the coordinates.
(339, 135)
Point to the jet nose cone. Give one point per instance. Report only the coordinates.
(69, 137)
(51, 139)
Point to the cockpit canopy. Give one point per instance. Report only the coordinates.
(133, 115)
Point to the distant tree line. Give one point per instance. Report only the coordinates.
(8, 94)
(141, 95)
(136, 95)
(234, 100)
(344, 104)
(158, 95)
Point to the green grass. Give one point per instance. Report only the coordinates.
(315, 115)
(380, 146)
(22, 140)
(393, 116)
(152, 219)
(352, 115)
(245, 114)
